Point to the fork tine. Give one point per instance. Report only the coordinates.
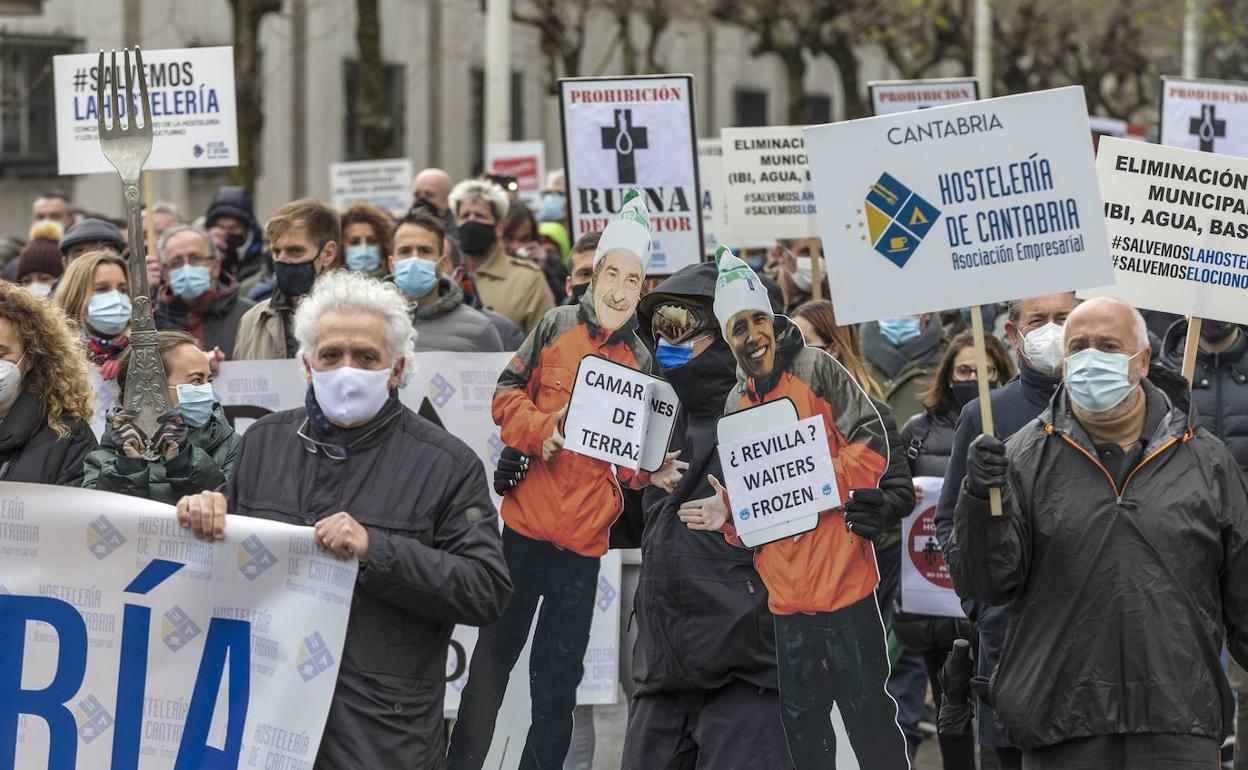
(99, 95)
(112, 82)
(147, 106)
(130, 116)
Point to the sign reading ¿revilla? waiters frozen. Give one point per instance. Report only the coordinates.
(634, 132)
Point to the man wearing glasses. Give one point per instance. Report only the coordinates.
(197, 297)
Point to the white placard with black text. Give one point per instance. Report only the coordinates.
(384, 183)
(619, 415)
(767, 192)
(926, 587)
(892, 96)
(1205, 115)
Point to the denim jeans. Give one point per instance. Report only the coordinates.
(566, 584)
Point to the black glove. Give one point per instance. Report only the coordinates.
(172, 437)
(957, 708)
(986, 465)
(512, 465)
(864, 513)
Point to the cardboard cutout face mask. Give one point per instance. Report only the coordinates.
(752, 337)
(617, 289)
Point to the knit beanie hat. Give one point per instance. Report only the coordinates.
(90, 231)
(629, 231)
(42, 254)
(737, 288)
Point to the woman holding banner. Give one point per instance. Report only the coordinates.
(95, 292)
(45, 396)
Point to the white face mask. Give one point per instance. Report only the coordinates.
(804, 272)
(1043, 348)
(350, 396)
(39, 289)
(10, 379)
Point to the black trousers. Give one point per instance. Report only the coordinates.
(837, 658)
(566, 585)
(1145, 751)
(736, 727)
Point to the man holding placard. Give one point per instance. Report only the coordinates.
(556, 520)
(829, 636)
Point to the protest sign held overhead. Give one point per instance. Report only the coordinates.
(1205, 115)
(384, 183)
(526, 161)
(711, 172)
(892, 96)
(1178, 229)
(959, 206)
(620, 133)
(192, 102)
(767, 193)
(926, 587)
(620, 415)
(128, 643)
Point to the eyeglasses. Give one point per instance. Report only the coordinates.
(198, 260)
(966, 372)
(332, 451)
(678, 321)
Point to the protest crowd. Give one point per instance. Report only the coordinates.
(1071, 465)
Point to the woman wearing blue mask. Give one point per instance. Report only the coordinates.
(95, 292)
(366, 240)
(195, 445)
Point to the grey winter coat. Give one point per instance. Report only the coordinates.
(450, 325)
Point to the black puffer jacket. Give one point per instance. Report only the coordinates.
(1123, 587)
(436, 559)
(927, 440)
(1219, 388)
(30, 451)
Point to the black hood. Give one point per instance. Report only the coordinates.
(234, 202)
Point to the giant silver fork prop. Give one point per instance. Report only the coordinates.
(127, 145)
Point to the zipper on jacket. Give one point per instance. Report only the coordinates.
(1118, 493)
(749, 585)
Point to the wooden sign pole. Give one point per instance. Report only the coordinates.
(985, 403)
(1190, 347)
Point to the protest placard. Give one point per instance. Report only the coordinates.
(1206, 115)
(526, 161)
(127, 642)
(767, 193)
(892, 96)
(926, 587)
(1177, 222)
(384, 183)
(778, 477)
(959, 206)
(711, 172)
(620, 133)
(620, 415)
(191, 91)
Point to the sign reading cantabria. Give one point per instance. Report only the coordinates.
(634, 132)
(126, 643)
(960, 205)
(194, 124)
(1178, 228)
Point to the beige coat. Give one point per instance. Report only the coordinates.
(261, 335)
(513, 287)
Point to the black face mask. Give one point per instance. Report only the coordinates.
(578, 291)
(236, 241)
(295, 280)
(1216, 331)
(964, 392)
(477, 238)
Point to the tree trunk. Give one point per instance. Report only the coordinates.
(842, 52)
(372, 117)
(795, 82)
(247, 95)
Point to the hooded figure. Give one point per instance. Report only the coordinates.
(829, 636)
(556, 520)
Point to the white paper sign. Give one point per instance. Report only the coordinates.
(384, 183)
(150, 645)
(767, 192)
(638, 132)
(893, 96)
(957, 206)
(1178, 229)
(191, 91)
(779, 475)
(711, 171)
(526, 161)
(1206, 115)
(620, 415)
(926, 587)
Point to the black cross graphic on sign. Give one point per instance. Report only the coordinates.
(624, 137)
(1207, 128)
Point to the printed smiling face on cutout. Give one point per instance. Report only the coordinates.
(752, 336)
(617, 288)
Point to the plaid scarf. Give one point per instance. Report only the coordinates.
(100, 349)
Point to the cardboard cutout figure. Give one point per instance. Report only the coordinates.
(555, 521)
(830, 642)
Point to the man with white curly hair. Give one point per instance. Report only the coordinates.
(380, 484)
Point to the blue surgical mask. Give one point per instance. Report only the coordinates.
(1098, 381)
(195, 403)
(364, 258)
(674, 356)
(901, 330)
(190, 282)
(553, 206)
(415, 277)
(109, 312)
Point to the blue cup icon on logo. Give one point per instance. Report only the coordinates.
(743, 514)
(827, 489)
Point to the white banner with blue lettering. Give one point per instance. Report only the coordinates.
(126, 643)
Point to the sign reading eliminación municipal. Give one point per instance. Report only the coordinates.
(191, 91)
(126, 643)
(1178, 228)
(767, 193)
(634, 132)
(961, 205)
